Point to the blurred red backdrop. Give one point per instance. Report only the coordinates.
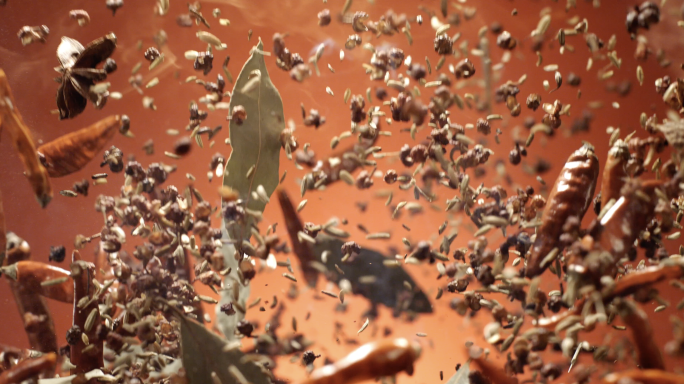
(30, 73)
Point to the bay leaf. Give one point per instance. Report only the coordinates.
(203, 353)
(255, 143)
(461, 376)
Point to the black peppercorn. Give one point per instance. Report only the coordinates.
(73, 335)
(57, 254)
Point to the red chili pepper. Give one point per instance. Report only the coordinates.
(627, 285)
(302, 250)
(631, 213)
(30, 274)
(645, 376)
(570, 196)
(370, 361)
(495, 374)
(29, 368)
(71, 152)
(648, 352)
(30, 304)
(614, 173)
(23, 143)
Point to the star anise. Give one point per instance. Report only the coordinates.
(79, 74)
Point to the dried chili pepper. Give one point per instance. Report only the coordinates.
(301, 249)
(570, 196)
(30, 274)
(29, 368)
(3, 230)
(91, 358)
(645, 376)
(614, 172)
(649, 355)
(71, 152)
(31, 305)
(370, 361)
(23, 142)
(630, 214)
(492, 372)
(625, 286)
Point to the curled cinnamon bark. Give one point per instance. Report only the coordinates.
(614, 172)
(33, 309)
(570, 196)
(70, 153)
(29, 368)
(23, 143)
(30, 274)
(84, 357)
(370, 361)
(649, 355)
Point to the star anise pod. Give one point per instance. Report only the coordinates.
(79, 74)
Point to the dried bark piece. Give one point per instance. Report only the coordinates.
(30, 274)
(23, 142)
(29, 368)
(85, 361)
(571, 196)
(649, 355)
(71, 152)
(377, 359)
(41, 336)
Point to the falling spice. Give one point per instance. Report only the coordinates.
(12, 122)
(72, 152)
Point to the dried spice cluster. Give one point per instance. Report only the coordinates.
(137, 317)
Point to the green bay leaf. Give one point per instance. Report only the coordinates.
(203, 353)
(255, 142)
(461, 376)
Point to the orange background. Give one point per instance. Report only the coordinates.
(30, 72)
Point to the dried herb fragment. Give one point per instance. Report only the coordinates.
(29, 35)
(80, 16)
(73, 151)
